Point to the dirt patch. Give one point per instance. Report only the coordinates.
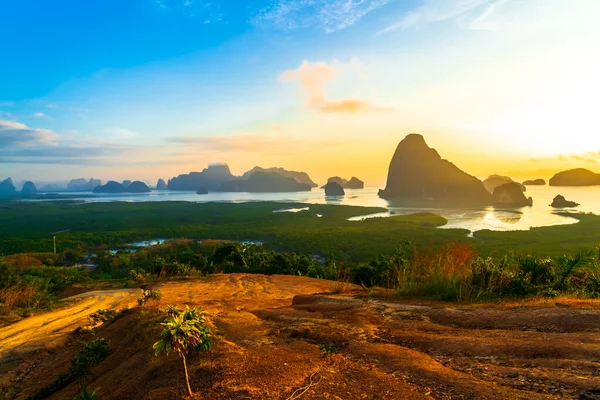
(270, 329)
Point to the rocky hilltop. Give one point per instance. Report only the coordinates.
(137, 187)
(28, 189)
(535, 182)
(560, 202)
(493, 181)
(333, 188)
(575, 177)
(218, 178)
(300, 177)
(510, 195)
(353, 183)
(7, 188)
(161, 185)
(210, 178)
(265, 182)
(116, 187)
(81, 185)
(419, 176)
(110, 187)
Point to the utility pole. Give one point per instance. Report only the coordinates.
(54, 237)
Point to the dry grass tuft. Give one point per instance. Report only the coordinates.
(340, 287)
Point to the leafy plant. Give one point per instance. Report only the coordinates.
(184, 331)
(106, 315)
(137, 275)
(172, 310)
(568, 264)
(328, 349)
(150, 295)
(85, 395)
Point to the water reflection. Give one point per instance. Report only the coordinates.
(502, 217)
(541, 214)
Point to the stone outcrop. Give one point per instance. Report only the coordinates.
(161, 185)
(300, 177)
(116, 187)
(137, 187)
(510, 195)
(334, 189)
(265, 182)
(7, 188)
(576, 177)
(28, 189)
(535, 182)
(419, 176)
(81, 185)
(493, 181)
(211, 178)
(110, 187)
(353, 183)
(560, 202)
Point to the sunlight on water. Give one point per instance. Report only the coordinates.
(541, 214)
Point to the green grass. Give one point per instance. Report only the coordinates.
(28, 227)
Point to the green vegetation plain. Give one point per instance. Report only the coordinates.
(30, 226)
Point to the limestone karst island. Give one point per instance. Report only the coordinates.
(299, 200)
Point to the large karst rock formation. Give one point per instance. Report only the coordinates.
(419, 176)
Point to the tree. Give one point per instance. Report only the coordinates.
(184, 331)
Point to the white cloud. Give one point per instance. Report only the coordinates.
(537, 15)
(505, 15)
(329, 15)
(15, 134)
(436, 11)
(39, 115)
(20, 143)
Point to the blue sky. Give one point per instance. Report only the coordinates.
(153, 88)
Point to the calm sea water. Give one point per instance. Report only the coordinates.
(541, 214)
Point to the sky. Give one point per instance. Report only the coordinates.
(147, 89)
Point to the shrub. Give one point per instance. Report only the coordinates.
(137, 275)
(106, 315)
(569, 264)
(328, 349)
(150, 295)
(101, 316)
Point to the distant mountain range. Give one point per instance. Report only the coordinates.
(125, 187)
(417, 176)
(218, 178)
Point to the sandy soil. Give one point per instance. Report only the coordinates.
(20, 340)
(270, 329)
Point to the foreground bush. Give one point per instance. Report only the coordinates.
(34, 288)
(452, 272)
